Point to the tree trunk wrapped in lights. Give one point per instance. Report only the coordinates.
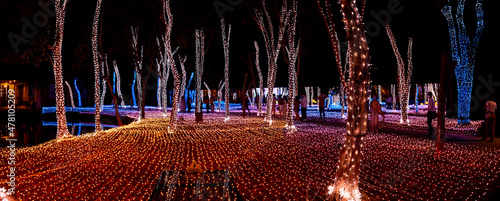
(404, 75)
(464, 53)
(138, 57)
(97, 67)
(261, 81)
(272, 47)
(78, 94)
(70, 94)
(219, 94)
(104, 70)
(182, 61)
(169, 21)
(163, 71)
(200, 58)
(346, 186)
(225, 42)
(292, 53)
(62, 127)
(118, 84)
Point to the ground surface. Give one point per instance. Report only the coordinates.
(264, 162)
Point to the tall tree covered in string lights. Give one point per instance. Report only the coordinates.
(292, 49)
(261, 80)
(404, 74)
(357, 85)
(97, 67)
(463, 52)
(138, 58)
(273, 47)
(225, 42)
(168, 20)
(200, 58)
(62, 127)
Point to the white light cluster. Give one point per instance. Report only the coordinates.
(272, 47)
(404, 74)
(62, 127)
(225, 41)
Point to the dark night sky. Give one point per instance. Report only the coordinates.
(420, 19)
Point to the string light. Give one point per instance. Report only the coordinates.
(200, 58)
(261, 80)
(138, 58)
(404, 75)
(168, 21)
(118, 83)
(219, 94)
(104, 74)
(70, 94)
(133, 89)
(464, 53)
(293, 51)
(62, 127)
(78, 93)
(225, 42)
(266, 163)
(97, 67)
(272, 47)
(182, 61)
(346, 183)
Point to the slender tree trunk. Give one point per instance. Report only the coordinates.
(225, 41)
(97, 67)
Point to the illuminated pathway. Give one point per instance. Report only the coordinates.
(265, 163)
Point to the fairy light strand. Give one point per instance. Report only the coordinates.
(118, 83)
(272, 48)
(404, 74)
(261, 80)
(78, 94)
(225, 40)
(97, 67)
(62, 127)
(200, 58)
(463, 52)
(169, 21)
(292, 49)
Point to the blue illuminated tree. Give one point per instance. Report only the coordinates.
(464, 53)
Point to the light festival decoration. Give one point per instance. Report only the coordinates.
(226, 36)
(159, 64)
(346, 183)
(62, 127)
(134, 101)
(104, 75)
(393, 92)
(169, 21)
(273, 48)
(70, 94)
(404, 74)
(208, 90)
(261, 80)
(182, 61)
(78, 94)
(138, 58)
(464, 53)
(292, 50)
(200, 58)
(219, 94)
(118, 83)
(97, 67)
(268, 164)
(416, 98)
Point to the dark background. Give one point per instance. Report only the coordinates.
(420, 19)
